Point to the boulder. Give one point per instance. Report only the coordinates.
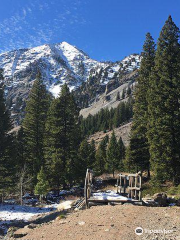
(31, 226)
(21, 232)
(161, 199)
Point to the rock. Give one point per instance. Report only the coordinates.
(161, 199)
(31, 226)
(111, 86)
(149, 202)
(21, 232)
(81, 223)
(107, 230)
(63, 221)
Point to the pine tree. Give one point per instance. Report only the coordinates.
(21, 146)
(122, 112)
(42, 185)
(123, 94)
(128, 91)
(121, 149)
(101, 156)
(117, 96)
(7, 143)
(138, 142)
(164, 106)
(112, 154)
(106, 119)
(62, 138)
(83, 161)
(92, 153)
(128, 164)
(34, 125)
(117, 117)
(86, 159)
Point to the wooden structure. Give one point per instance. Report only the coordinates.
(127, 185)
(88, 186)
(130, 185)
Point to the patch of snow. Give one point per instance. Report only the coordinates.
(14, 213)
(108, 195)
(17, 212)
(65, 205)
(55, 90)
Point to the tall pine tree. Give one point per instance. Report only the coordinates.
(121, 149)
(139, 146)
(84, 160)
(112, 154)
(34, 125)
(164, 106)
(7, 153)
(62, 138)
(101, 156)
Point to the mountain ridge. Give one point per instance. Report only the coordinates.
(58, 63)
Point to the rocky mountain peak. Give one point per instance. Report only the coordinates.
(58, 63)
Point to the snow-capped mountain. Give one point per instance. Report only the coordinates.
(58, 63)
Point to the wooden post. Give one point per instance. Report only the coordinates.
(124, 184)
(140, 185)
(85, 188)
(130, 185)
(136, 186)
(118, 185)
(120, 182)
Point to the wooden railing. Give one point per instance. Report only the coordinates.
(130, 185)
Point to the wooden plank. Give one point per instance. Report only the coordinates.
(134, 188)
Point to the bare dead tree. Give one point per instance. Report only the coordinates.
(24, 180)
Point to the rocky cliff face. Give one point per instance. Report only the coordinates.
(59, 63)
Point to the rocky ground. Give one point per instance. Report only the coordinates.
(109, 223)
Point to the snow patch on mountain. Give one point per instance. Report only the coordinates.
(58, 63)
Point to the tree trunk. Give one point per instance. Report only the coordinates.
(21, 195)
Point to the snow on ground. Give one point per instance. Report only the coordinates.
(10, 214)
(17, 212)
(65, 205)
(24, 213)
(109, 195)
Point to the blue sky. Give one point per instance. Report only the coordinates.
(105, 29)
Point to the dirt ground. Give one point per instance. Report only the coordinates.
(112, 223)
